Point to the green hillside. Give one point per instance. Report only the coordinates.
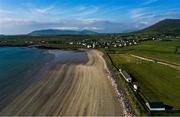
(166, 27)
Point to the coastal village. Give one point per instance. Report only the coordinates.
(90, 58)
(118, 41)
(112, 41)
(107, 44)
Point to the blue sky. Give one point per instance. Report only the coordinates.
(24, 16)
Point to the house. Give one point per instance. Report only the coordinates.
(135, 87)
(126, 76)
(93, 45)
(155, 106)
(89, 46)
(71, 43)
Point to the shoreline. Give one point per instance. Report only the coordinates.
(67, 89)
(17, 84)
(42, 47)
(128, 111)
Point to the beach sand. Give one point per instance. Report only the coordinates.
(70, 89)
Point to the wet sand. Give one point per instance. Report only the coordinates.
(70, 89)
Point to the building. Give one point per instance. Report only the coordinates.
(89, 46)
(71, 43)
(155, 106)
(126, 76)
(135, 87)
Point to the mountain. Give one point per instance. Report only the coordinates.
(62, 32)
(167, 27)
(1, 35)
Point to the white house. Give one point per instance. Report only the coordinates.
(71, 43)
(135, 87)
(89, 46)
(126, 76)
(155, 106)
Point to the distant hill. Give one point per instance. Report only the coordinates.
(62, 32)
(167, 26)
(1, 35)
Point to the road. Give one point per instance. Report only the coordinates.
(70, 89)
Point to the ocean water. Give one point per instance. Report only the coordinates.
(16, 61)
(21, 66)
(70, 57)
(18, 68)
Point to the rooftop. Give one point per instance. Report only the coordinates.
(156, 105)
(126, 74)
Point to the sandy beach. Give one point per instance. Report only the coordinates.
(70, 89)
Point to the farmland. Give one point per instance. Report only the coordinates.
(156, 82)
(167, 51)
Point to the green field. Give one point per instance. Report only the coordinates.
(157, 82)
(168, 51)
(161, 50)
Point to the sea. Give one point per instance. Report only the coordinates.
(21, 66)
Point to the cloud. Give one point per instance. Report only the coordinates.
(174, 15)
(137, 13)
(100, 18)
(148, 2)
(92, 28)
(85, 11)
(65, 28)
(3, 11)
(12, 21)
(146, 17)
(19, 26)
(42, 10)
(140, 18)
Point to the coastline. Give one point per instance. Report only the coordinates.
(43, 47)
(69, 89)
(13, 86)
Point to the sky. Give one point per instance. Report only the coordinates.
(104, 16)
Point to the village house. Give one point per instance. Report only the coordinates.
(71, 43)
(135, 86)
(155, 106)
(126, 76)
(89, 46)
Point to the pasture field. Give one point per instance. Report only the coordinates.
(157, 82)
(167, 51)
